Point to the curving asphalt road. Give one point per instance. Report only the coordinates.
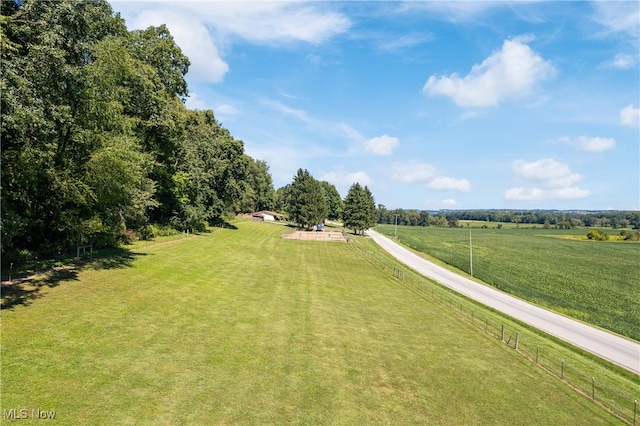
(620, 351)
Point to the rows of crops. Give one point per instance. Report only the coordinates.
(596, 282)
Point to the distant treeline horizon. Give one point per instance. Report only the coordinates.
(564, 219)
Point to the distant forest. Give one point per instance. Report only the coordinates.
(546, 218)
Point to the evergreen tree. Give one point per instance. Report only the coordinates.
(359, 209)
(307, 204)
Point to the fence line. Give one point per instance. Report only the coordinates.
(316, 236)
(604, 394)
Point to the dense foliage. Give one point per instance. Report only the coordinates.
(307, 201)
(546, 218)
(307, 205)
(359, 211)
(97, 144)
(334, 202)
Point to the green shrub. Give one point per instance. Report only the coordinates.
(630, 235)
(598, 235)
(161, 231)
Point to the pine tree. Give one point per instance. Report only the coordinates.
(359, 211)
(307, 202)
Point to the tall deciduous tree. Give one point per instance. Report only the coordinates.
(211, 169)
(307, 204)
(48, 149)
(259, 193)
(334, 202)
(359, 209)
(96, 138)
(283, 199)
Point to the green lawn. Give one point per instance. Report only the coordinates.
(593, 281)
(243, 327)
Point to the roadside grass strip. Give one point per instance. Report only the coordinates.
(615, 389)
(593, 281)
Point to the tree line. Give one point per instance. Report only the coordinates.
(546, 218)
(97, 144)
(309, 202)
(99, 148)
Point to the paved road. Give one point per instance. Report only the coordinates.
(616, 349)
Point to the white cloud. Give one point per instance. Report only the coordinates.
(537, 194)
(547, 172)
(618, 16)
(416, 172)
(226, 109)
(620, 19)
(510, 73)
(381, 145)
(453, 11)
(203, 28)
(445, 183)
(343, 181)
(623, 61)
(280, 107)
(224, 112)
(195, 101)
(193, 38)
(546, 179)
(283, 160)
(351, 132)
(585, 143)
(447, 203)
(412, 171)
(630, 116)
(404, 41)
(595, 144)
(272, 22)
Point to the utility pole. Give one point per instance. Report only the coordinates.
(470, 255)
(396, 231)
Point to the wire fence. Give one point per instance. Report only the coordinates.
(336, 236)
(601, 390)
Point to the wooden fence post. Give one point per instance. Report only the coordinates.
(635, 410)
(502, 334)
(537, 353)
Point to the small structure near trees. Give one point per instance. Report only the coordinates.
(266, 216)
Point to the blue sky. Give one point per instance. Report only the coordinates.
(432, 105)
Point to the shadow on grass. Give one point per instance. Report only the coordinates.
(221, 223)
(23, 291)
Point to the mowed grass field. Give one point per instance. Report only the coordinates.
(244, 327)
(593, 281)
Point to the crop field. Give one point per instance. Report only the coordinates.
(593, 281)
(240, 326)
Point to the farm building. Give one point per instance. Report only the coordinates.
(265, 215)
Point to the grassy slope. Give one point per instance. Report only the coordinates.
(240, 326)
(596, 282)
